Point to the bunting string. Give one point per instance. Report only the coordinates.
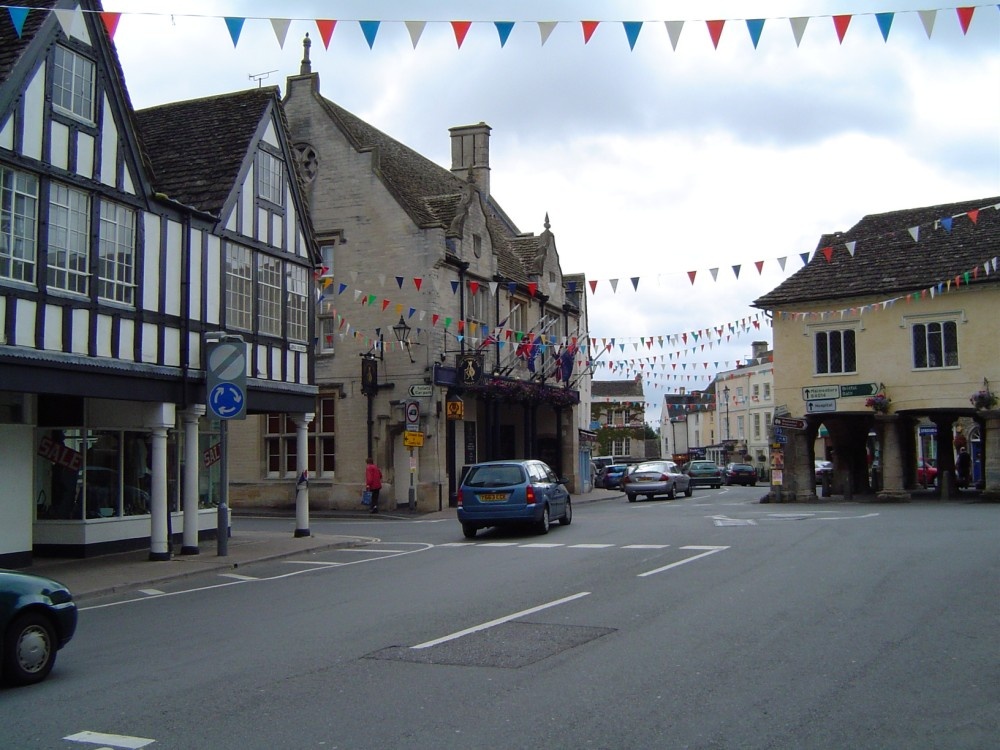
(370, 28)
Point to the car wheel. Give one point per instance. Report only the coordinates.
(542, 527)
(469, 530)
(631, 498)
(29, 649)
(689, 491)
(567, 518)
(671, 492)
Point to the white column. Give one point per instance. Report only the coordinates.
(159, 544)
(302, 473)
(192, 468)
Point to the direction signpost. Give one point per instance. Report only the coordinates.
(226, 393)
(790, 423)
(817, 392)
(821, 405)
(858, 389)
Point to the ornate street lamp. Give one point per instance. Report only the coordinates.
(402, 332)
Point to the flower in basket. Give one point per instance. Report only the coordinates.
(983, 399)
(879, 403)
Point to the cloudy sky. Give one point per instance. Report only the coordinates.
(652, 162)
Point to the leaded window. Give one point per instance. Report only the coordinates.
(836, 352)
(69, 239)
(269, 286)
(297, 302)
(18, 225)
(116, 268)
(270, 185)
(935, 344)
(281, 443)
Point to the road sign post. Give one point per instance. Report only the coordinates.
(225, 391)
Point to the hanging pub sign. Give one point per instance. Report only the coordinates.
(470, 369)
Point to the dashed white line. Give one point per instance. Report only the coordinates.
(708, 551)
(645, 546)
(110, 740)
(541, 545)
(238, 577)
(590, 546)
(150, 592)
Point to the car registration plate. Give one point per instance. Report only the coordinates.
(492, 497)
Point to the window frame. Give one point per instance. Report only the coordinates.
(848, 352)
(67, 257)
(947, 335)
(297, 302)
(270, 177)
(116, 269)
(239, 286)
(280, 441)
(66, 84)
(18, 248)
(270, 283)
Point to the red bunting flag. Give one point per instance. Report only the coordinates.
(841, 23)
(965, 18)
(326, 28)
(473, 286)
(974, 215)
(461, 28)
(691, 275)
(715, 31)
(532, 287)
(385, 304)
(593, 285)
(417, 282)
(589, 27)
(828, 253)
(110, 21)
(434, 319)
(760, 266)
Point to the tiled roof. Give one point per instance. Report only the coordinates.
(432, 195)
(12, 47)
(887, 261)
(197, 147)
(631, 389)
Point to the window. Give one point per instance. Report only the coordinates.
(756, 426)
(767, 391)
(297, 302)
(327, 251)
(622, 447)
(517, 320)
(69, 237)
(281, 444)
(835, 352)
(18, 225)
(935, 344)
(270, 186)
(477, 306)
(327, 334)
(73, 84)
(239, 287)
(116, 269)
(269, 295)
(740, 431)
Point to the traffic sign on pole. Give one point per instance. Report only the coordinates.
(412, 409)
(226, 381)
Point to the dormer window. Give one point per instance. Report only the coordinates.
(270, 185)
(73, 84)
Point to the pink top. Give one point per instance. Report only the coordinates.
(373, 477)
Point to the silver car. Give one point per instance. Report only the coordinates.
(652, 478)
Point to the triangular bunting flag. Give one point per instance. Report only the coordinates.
(235, 26)
(614, 286)
(798, 28)
(974, 215)
(18, 17)
(760, 267)
(532, 288)
(326, 28)
(635, 283)
(714, 272)
(593, 286)
(827, 253)
(965, 17)
(416, 28)
(946, 223)
(927, 18)
(736, 270)
(503, 29)
(545, 29)
(370, 30)
(461, 28)
(850, 247)
(632, 29)
(454, 287)
(473, 286)
(715, 30)
(915, 233)
(840, 23)
(691, 275)
(884, 24)
(280, 28)
(110, 21)
(755, 26)
(589, 27)
(67, 20)
(417, 281)
(399, 281)
(674, 29)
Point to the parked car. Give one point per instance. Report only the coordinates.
(744, 474)
(37, 618)
(823, 469)
(611, 477)
(927, 473)
(505, 493)
(705, 473)
(652, 478)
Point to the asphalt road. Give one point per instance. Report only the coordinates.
(709, 622)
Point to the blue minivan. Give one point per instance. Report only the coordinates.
(506, 493)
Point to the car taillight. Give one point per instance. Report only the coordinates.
(664, 478)
(459, 498)
(529, 495)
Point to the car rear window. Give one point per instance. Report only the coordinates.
(494, 476)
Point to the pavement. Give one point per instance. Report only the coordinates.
(93, 577)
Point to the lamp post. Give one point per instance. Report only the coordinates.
(725, 395)
(402, 333)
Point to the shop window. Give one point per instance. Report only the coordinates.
(281, 443)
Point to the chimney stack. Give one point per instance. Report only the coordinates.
(470, 154)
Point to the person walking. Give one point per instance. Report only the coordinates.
(373, 481)
(964, 468)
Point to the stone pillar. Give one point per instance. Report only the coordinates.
(945, 457)
(159, 544)
(888, 428)
(192, 467)
(991, 454)
(301, 422)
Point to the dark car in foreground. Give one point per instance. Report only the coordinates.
(652, 478)
(506, 493)
(37, 618)
(706, 473)
(744, 474)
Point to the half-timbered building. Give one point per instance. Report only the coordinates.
(129, 242)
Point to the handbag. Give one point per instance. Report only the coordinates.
(366, 497)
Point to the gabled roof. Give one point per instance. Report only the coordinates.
(198, 147)
(432, 195)
(13, 47)
(887, 260)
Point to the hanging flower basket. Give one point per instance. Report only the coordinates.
(983, 399)
(879, 403)
(503, 389)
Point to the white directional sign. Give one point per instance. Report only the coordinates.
(820, 392)
(421, 390)
(821, 405)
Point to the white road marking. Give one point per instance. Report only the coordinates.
(708, 551)
(111, 740)
(541, 545)
(150, 592)
(317, 563)
(590, 546)
(726, 521)
(497, 544)
(238, 577)
(645, 546)
(499, 621)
